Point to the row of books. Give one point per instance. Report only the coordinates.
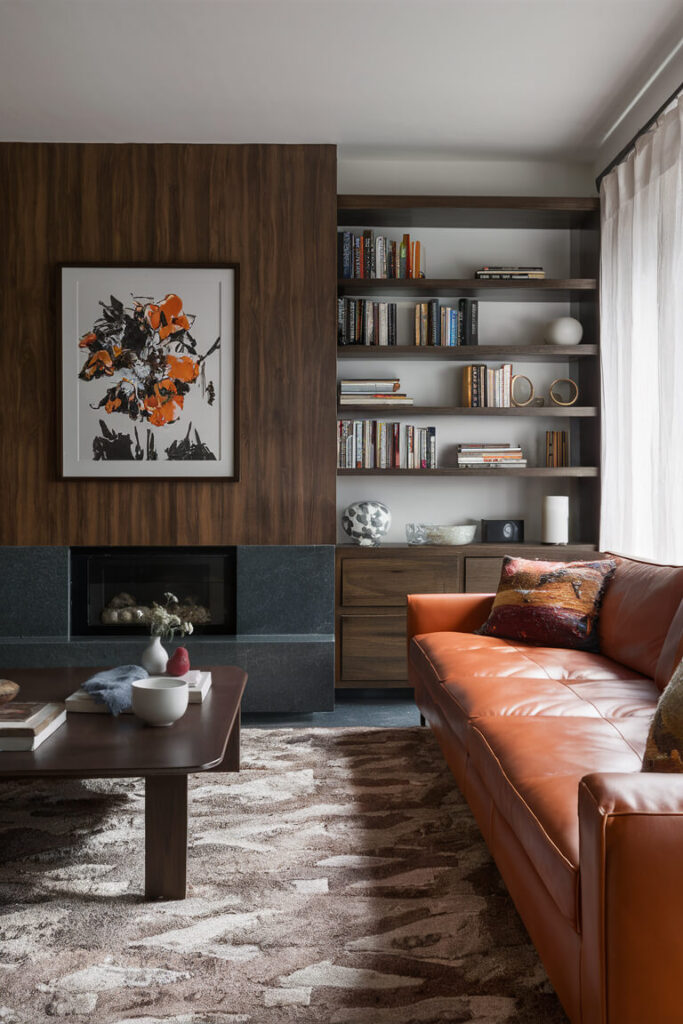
(557, 448)
(364, 322)
(489, 456)
(364, 391)
(486, 388)
(510, 274)
(24, 725)
(447, 326)
(376, 444)
(370, 256)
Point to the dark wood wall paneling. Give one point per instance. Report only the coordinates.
(272, 209)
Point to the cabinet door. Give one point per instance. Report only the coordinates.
(373, 648)
(384, 582)
(482, 575)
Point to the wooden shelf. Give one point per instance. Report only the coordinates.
(548, 290)
(457, 410)
(468, 211)
(470, 353)
(529, 471)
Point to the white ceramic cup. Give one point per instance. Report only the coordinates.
(160, 700)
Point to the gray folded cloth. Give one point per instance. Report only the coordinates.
(113, 686)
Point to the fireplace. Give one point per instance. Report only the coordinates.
(113, 589)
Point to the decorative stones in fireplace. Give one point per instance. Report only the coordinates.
(113, 589)
(270, 609)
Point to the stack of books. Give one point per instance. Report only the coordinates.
(486, 388)
(376, 444)
(490, 456)
(361, 322)
(370, 256)
(510, 274)
(373, 393)
(80, 702)
(557, 448)
(25, 725)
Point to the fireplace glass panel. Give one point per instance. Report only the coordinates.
(113, 589)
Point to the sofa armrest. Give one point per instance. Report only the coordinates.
(631, 848)
(443, 613)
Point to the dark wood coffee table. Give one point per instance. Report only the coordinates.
(207, 738)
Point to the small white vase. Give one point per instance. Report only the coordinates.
(154, 657)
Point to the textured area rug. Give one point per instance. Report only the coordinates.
(339, 879)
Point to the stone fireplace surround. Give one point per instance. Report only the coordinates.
(284, 637)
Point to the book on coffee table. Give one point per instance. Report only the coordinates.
(25, 725)
(198, 685)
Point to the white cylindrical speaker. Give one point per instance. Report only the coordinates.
(555, 519)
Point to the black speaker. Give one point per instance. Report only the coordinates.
(502, 531)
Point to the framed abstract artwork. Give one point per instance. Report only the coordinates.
(148, 371)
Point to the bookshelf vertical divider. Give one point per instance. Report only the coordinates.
(371, 583)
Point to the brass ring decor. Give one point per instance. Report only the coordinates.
(564, 380)
(515, 401)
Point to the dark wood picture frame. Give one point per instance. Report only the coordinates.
(232, 395)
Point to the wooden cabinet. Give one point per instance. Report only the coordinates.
(372, 584)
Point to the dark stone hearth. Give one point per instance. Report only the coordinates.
(285, 624)
(285, 589)
(34, 591)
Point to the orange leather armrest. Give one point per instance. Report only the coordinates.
(631, 848)
(443, 613)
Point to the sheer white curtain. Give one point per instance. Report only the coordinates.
(641, 299)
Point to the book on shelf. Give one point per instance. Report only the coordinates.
(490, 456)
(378, 444)
(368, 385)
(369, 256)
(557, 448)
(363, 322)
(469, 314)
(510, 274)
(484, 387)
(80, 702)
(372, 392)
(24, 725)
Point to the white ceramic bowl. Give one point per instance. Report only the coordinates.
(160, 700)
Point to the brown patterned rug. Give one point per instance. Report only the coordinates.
(339, 878)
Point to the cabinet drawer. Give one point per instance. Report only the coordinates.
(482, 575)
(373, 648)
(383, 582)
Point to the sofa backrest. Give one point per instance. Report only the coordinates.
(637, 613)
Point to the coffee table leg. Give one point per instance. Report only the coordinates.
(165, 836)
(231, 758)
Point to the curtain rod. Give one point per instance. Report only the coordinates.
(631, 144)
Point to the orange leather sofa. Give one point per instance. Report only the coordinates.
(547, 744)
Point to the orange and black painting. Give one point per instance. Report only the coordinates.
(141, 360)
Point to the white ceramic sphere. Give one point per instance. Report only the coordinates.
(565, 330)
(160, 700)
(366, 522)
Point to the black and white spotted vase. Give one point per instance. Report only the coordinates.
(366, 522)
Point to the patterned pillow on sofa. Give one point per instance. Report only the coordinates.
(550, 604)
(664, 749)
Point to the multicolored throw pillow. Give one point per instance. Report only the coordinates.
(664, 749)
(550, 604)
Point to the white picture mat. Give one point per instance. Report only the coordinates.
(207, 293)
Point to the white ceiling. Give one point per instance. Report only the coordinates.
(502, 78)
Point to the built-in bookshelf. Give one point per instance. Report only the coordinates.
(565, 231)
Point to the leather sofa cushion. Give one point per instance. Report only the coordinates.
(454, 656)
(532, 767)
(637, 610)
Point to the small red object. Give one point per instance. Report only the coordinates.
(179, 662)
